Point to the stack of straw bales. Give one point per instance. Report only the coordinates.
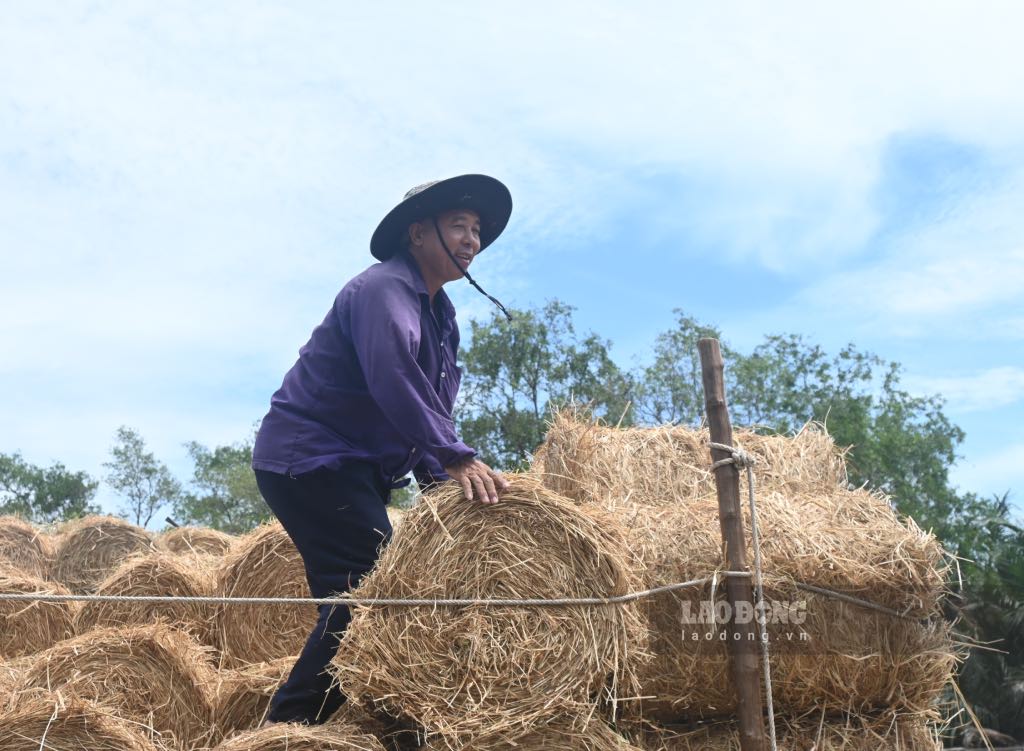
(814, 530)
(153, 574)
(28, 627)
(24, 547)
(91, 547)
(263, 563)
(484, 676)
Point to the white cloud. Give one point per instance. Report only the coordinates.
(994, 473)
(989, 389)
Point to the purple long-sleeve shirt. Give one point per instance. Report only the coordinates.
(375, 382)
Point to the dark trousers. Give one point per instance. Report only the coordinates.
(338, 521)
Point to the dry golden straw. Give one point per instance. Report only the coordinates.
(830, 654)
(24, 547)
(263, 563)
(813, 530)
(469, 673)
(92, 547)
(154, 574)
(885, 731)
(242, 697)
(198, 540)
(27, 627)
(286, 737)
(661, 466)
(597, 736)
(152, 675)
(39, 720)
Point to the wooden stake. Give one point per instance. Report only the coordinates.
(744, 647)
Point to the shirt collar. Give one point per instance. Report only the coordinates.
(416, 277)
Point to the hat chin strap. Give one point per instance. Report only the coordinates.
(465, 272)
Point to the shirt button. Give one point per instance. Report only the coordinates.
(413, 450)
(442, 374)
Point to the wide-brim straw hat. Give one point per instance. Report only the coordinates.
(488, 197)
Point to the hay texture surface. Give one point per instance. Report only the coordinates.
(195, 540)
(151, 675)
(471, 674)
(597, 736)
(28, 627)
(154, 574)
(263, 563)
(58, 722)
(24, 547)
(824, 653)
(287, 737)
(593, 463)
(92, 547)
(242, 696)
(882, 732)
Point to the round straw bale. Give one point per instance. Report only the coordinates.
(596, 736)
(92, 547)
(27, 627)
(153, 675)
(825, 653)
(263, 563)
(197, 540)
(846, 732)
(242, 696)
(290, 737)
(24, 547)
(153, 574)
(471, 671)
(847, 540)
(43, 720)
(593, 463)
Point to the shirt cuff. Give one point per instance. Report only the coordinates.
(453, 454)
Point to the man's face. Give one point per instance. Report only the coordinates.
(461, 230)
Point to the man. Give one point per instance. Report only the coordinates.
(370, 399)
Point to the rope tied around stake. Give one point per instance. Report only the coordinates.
(742, 460)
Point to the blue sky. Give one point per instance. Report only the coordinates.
(184, 187)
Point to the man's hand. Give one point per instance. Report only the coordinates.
(478, 480)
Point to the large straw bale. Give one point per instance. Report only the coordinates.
(829, 654)
(813, 530)
(470, 672)
(40, 719)
(289, 737)
(242, 696)
(24, 547)
(27, 627)
(847, 732)
(153, 574)
(92, 547)
(195, 540)
(152, 675)
(594, 463)
(263, 563)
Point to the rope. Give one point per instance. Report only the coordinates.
(742, 460)
(371, 601)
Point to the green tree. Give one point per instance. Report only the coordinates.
(670, 389)
(225, 495)
(44, 494)
(144, 483)
(516, 372)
